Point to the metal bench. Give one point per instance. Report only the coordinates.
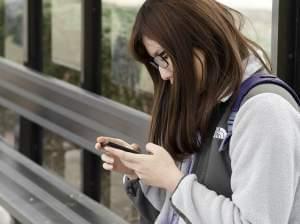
(33, 195)
(29, 192)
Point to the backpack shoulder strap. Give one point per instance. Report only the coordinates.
(254, 85)
(271, 88)
(259, 79)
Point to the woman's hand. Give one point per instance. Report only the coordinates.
(111, 162)
(156, 168)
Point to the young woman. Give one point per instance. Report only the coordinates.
(198, 58)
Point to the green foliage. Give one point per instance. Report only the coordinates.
(49, 67)
(12, 16)
(120, 73)
(14, 28)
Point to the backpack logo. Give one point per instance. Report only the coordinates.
(220, 133)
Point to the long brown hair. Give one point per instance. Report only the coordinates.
(182, 110)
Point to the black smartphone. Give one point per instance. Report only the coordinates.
(117, 146)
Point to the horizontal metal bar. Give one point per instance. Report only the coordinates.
(26, 188)
(12, 202)
(67, 110)
(17, 199)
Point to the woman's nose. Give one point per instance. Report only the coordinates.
(165, 74)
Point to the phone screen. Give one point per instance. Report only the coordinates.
(117, 146)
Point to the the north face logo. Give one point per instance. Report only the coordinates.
(220, 133)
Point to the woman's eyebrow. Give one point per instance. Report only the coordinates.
(158, 52)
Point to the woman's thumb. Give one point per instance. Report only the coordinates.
(135, 147)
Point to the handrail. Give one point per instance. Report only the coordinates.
(67, 110)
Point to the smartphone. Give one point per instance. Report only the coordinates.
(117, 146)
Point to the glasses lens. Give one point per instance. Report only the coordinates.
(161, 62)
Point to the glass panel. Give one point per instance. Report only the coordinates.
(8, 119)
(127, 82)
(9, 127)
(62, 157)
(123, 79)
(62, 39)
(13, 30)
(258, 20)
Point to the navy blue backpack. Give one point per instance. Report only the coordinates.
(212, 164)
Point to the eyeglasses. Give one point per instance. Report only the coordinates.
(160, 61)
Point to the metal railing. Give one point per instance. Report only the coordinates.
(67, 110)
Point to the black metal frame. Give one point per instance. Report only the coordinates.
(90, 80)
(288, 45)
(2, 23)
(31, 135)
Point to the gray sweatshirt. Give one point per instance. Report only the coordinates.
(265, 161)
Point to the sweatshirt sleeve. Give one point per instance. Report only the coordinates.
(263, 152)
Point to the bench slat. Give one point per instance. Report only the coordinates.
(49, 193)
(24, 206)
